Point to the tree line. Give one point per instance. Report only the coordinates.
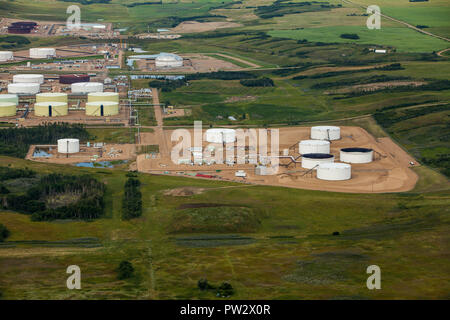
(132, 199)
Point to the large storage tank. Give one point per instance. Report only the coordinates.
(51, 97)
(7, 109)
(68, 145)
(334, 171)
(219, 135)
(168, 60)
(28, 78)
(312, 160)
(356, 155)
(325, 133)
(102, 108)
(24, 88)
(51, 109)
(42, 53)
(73, 78)
(6, 56)
(9, 98)
(314, 146)
(103, 96)
(86, 87)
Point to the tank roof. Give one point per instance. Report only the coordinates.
(318, 156)
(356, 150)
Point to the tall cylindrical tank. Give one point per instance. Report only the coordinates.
(102, 108)
(42, 53)
(314, 146)
(334, 171)
(51, 109)
(356, 155)
(7, 109)
(51, 97)
(24, 88)
(68, 145)
(219, 135)
(6, 56)
(86, 87)
(9, 98)
(103, 96)
(73, 78)
(312, 160)
(28, 78)
(325, 133)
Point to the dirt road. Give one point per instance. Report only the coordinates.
(159, 131)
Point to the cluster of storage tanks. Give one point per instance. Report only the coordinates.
(26, 84)
(6, 56)
(316, 154)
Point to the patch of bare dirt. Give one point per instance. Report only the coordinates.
(184, 192)
(240, 98)
(194, 26)
(379, 86)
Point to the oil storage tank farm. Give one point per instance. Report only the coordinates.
(356, 155)
(9, 98)
(312, 160)
(24, 88)
(51, 97)
(219, 135)
(42, 53)
(334, 171)
(314, 146)
(102, 108)
(103, 96)
(68, 146)
(86, 87)
(7, 109)
(28, 78)
(51, 109)
(6, 56)
(325, 133)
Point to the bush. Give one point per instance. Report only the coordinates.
(352, 36)
(225, 290)
(4, 233)
(125, 270)
(263, 82)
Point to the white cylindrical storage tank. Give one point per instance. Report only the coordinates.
(334, 171)
(28, 78)
(42, 53)
(9, 98)
(6, 56)
(356, 155)
(220, 135)
(86, 87)
(51, 109)
(51, 97)
(314, 146)
(325, 133)
(24, 88)
(7, 109)
(312, 160)
(168, 60)
(103, 96)
(68, 145)
(102, 108)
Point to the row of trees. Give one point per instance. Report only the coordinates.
(262, 82)
(132, 199)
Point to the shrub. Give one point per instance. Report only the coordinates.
(4, 233)
(225, 290)
(352, 36)
(203, 285)
(125, 270)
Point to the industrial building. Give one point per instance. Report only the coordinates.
(51, 109)
(314, 146)
(6, 56)
(73, 78)
(42, 53)
(356, 155)
(168, 60)
(312, 160)
(334, 171)
(24, 88)
(24, 27)
(102, 108)
(325, 133)
(86, 87)
(68, 146)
